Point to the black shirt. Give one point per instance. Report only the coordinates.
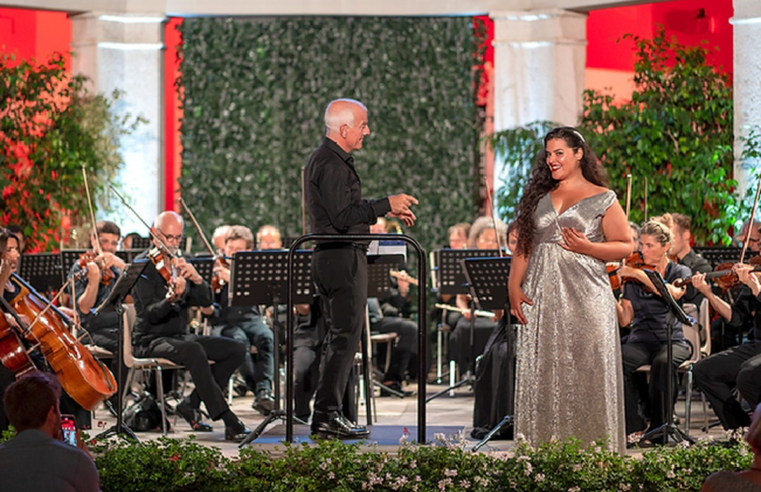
(334, 194)
(746, 312)
(155, 316)
(696, 264)
(651, 311)
(104, 320)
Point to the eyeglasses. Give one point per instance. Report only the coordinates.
(170, 237)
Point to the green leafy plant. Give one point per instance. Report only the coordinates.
(675, 132)
(254, 96)
(50, 127)
(446, 464)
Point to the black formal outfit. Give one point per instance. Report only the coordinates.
(737, 366)
(334, 199)
(161, 331)
(103, 327)
(406, 343)
(646, 344)
(308, 339)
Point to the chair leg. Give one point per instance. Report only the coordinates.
(452, 377)
(230, 383)
(439, 341)
(688, 402)
(705, 412)
(162, 403)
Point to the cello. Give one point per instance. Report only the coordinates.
(87, 380)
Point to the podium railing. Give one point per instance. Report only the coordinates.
(422, 330)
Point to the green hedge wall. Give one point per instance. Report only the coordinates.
(254, 95)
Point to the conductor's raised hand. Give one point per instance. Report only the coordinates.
(517, 298)
(400, 208)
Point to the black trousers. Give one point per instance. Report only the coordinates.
(635, 355)
(341, 279)
(406, 345)
(194, 352)
(737, 366)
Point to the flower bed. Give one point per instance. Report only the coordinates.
(183, 465)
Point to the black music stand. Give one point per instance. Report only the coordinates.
(42, 271)
(452, 280)
(379, 286)
(668, 430)
(204, 265)
(487, 278)
(115, 301)
(261, 278)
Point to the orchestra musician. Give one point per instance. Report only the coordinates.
(161, 328)
(739, 365)
(245, 324)
(89, 292)
(685, 255)
(643, 308)
(335, 204)
(218, 238)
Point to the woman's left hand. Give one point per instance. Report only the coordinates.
(574, 240)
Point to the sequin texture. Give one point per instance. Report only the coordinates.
(569, 373)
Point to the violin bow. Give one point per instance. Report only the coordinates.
(92, 214)
(205, 241)
(493, 217)
(750, 221)
(155, 236)
(628, 195)
(644, 185)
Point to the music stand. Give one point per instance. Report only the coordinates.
(204, 266)
(451, 280)
(487, 278)
(668, 430)
(42, 271)
(115, 301)
(261, 277)
(379, 286)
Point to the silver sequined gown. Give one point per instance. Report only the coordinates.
(569, 373)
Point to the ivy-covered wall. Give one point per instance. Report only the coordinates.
(254, 95)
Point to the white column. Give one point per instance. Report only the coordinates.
(539, 61)
(125, 52)
(747, 89)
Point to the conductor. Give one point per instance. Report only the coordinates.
(339, 269)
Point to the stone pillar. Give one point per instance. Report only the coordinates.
(125, 52)
(747, 90)
(539, 62)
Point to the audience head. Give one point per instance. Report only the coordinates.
(346, 123)
(655, 238)
(219, 237)
(484, 236)
(268, 237)
(238, 238)
(458, 235)
(108, 235)
(31, 402)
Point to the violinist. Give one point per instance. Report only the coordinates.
(246, 325)
(90, 291)
(218, 238)
(740, 365)
(161, 328)
(648, 315)
(682, 252)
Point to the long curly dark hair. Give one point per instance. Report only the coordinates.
(541, 182)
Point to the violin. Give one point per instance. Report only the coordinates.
(107, 275)
(635, 260)
(723, 275)
(217, 282)
(87, 380)
(165, 263)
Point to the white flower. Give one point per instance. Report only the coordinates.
(539, 477)
(450, 473)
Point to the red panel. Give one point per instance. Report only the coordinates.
(691, 21)
(34, 33)
(172, 115)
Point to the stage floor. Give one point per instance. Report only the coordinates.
(396, 417)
